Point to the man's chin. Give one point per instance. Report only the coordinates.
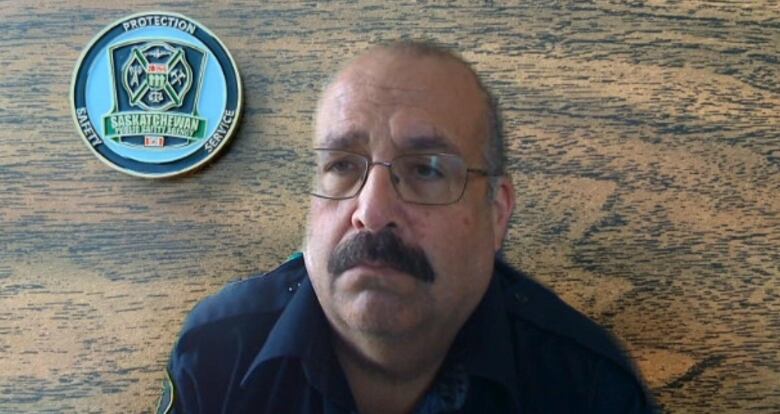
(383, 313)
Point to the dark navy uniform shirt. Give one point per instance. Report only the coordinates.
(262, 345)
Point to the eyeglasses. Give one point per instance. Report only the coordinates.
(430, 179)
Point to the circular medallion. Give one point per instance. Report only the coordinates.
(156, 95)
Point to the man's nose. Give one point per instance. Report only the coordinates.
(378, 204)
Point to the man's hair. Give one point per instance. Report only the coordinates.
(495, 155)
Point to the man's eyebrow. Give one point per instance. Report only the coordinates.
(347, 140)
(423, 143)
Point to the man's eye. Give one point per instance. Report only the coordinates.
(341, 167)
(427, 172)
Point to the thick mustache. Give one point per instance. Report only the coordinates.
(385, 248)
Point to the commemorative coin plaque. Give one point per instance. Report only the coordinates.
(156, 95)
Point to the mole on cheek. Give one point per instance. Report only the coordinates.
(466, 221)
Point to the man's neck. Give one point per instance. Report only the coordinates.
(389, 378)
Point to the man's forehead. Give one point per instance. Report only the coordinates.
(358, 139)
(419, 98)
(354, 126)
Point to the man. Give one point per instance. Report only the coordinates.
(398, 303)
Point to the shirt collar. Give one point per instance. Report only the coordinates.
(485, 345)
(302, 332)
(295, 334)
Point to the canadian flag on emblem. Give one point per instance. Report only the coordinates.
(152, 141)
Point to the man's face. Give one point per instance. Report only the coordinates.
(382, 106)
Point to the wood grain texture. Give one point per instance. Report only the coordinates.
(644, 146)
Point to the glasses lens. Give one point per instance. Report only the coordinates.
(430, 179)
(338, 174)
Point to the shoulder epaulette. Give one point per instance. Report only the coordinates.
(265, 293)
(538, 305)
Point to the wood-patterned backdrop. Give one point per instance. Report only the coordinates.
(644, 147)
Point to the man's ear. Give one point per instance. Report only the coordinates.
(503, 204)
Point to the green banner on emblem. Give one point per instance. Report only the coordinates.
(154, 123)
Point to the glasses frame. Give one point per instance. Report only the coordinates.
(389, 164)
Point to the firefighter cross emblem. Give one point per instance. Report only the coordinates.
(157, 76)
(156, 95)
